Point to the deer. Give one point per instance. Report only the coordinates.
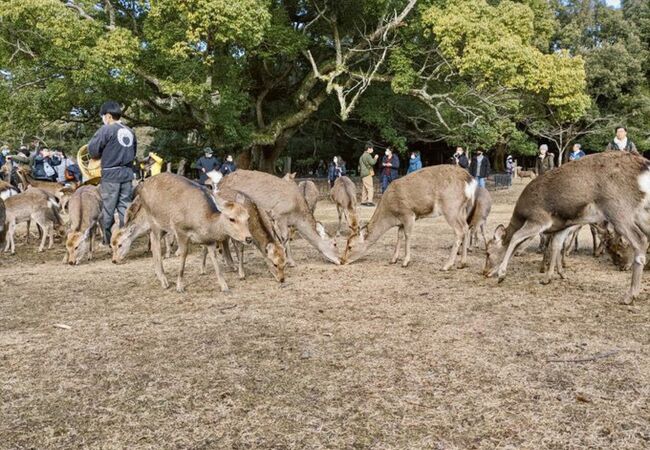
(309, 190)
(136, 224)
(84, 209)
(32, 205)
(478, 215)
(266, 238)
(7, 190)
(619, 194)
(526, 174)
(344, 195)
(446, 190)
(3, 222)
(193, 214)
(287, 207)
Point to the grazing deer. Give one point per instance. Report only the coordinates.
(31, 205)
(526, 173)
(287, 207)
(3, 222)
(611, 186)
(344, 195)
(430, 192)
(193, 214)
(309, 190)
(265, 235)
(478, 216)
(84, 209)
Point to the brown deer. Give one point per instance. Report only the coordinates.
(526, 174)
(430, 192)
(265, 237)
(611, 186)
(31, 205)
(286, 205)
(3, 222)
(478, 216)
(344, 195)
(84, 209)
(136, 224)
(7, 190)
(193, 214)
(309, 190)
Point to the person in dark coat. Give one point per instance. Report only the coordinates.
(44, 164)
(480, 168)
(207, 163)
(389, 167)
(229, 166)
(460, 159)
(335, 170)
(545, 161)
(116, 145)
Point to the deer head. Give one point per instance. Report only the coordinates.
(77, 244)
(234, 219)
(495, 251)
(356, 245)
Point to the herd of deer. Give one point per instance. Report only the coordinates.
(608, 191)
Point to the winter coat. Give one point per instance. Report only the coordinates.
(209, 164)
(39, 168)
(116, 145)
(390, 172)
(335, 171)
(366, 165)
(483, 171)
(461, 160)
(544, 165)
(414, 163)
(228, 167)
(573, 156)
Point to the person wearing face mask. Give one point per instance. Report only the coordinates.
(460, 159)
(576, 153)
(621, 142)
(389, 164)
(479, 168)
(44, 164)
(335, 170)
(207, 163)
(545, 161)
(415, 163)
(116, 145)
(229, 166)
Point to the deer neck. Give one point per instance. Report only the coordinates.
(379, 224)
(306, 226)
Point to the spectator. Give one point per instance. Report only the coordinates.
(335, 170)
(545, 161)
(460, 158)
(510, 168)
(415, 163)
(155, 163)
(3, 155)
(229, 166)
(44, 163)
(366, 172)
(390, 164)
(207, 163)
(116, 145)
(61, 168)
(576, 153)
(480, 168)
(621, 142)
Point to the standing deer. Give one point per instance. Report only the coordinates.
(287, 207)
(191, 212)
(3, 222)
(612, 186)
(478, 216)
(31, 205)
(430, 192)
(84, 209)
(344, 195)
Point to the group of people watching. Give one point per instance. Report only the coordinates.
(45, 164)
(208, 163)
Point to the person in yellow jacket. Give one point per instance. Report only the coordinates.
(156, 163)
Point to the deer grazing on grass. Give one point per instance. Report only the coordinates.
(478, 216)
(136, 224)
(344, 195)
(193, 214)
(84, 209)
(32, 205)
(571, 196)
(265, 237)
(286, 205)
(430, 192)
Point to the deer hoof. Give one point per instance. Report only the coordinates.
(180, 289)
(463, 266)
(545, 281)
(405, 263)
(627, 300)
(164, 283)
(393, 261)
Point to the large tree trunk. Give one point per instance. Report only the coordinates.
(500, 157)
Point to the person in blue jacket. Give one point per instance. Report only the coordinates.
(576, 152)
(415, 163)
(228, 166)
(44, 163)
(389, 169)
(335, 170)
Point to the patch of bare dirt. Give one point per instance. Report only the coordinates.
(369, 355)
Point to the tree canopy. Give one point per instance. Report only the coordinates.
(313, 78)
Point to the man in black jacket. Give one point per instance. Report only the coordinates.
(460, 159)
(207, 163)
(115, 144)
(480, 167)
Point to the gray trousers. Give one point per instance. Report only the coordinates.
(115, 196)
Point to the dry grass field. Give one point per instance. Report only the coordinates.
(369, 355)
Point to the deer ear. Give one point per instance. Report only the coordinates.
(240, 198)
(293, 175)
(500, 233)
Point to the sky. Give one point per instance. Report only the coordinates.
(615, 3)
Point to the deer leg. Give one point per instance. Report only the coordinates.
(28, 236)
(11, 230)
(212, 251)
(395, 257)
(204, 257)
(156, 252)
(556, 246)
(483, 233)
(340, 213)
(639, 242)
(90, 244)
(522, 247)
(461, 229)
(183, 245)
(527, 231)
(239, 249)
(283, 230)
(408, 233)
(227, 256)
